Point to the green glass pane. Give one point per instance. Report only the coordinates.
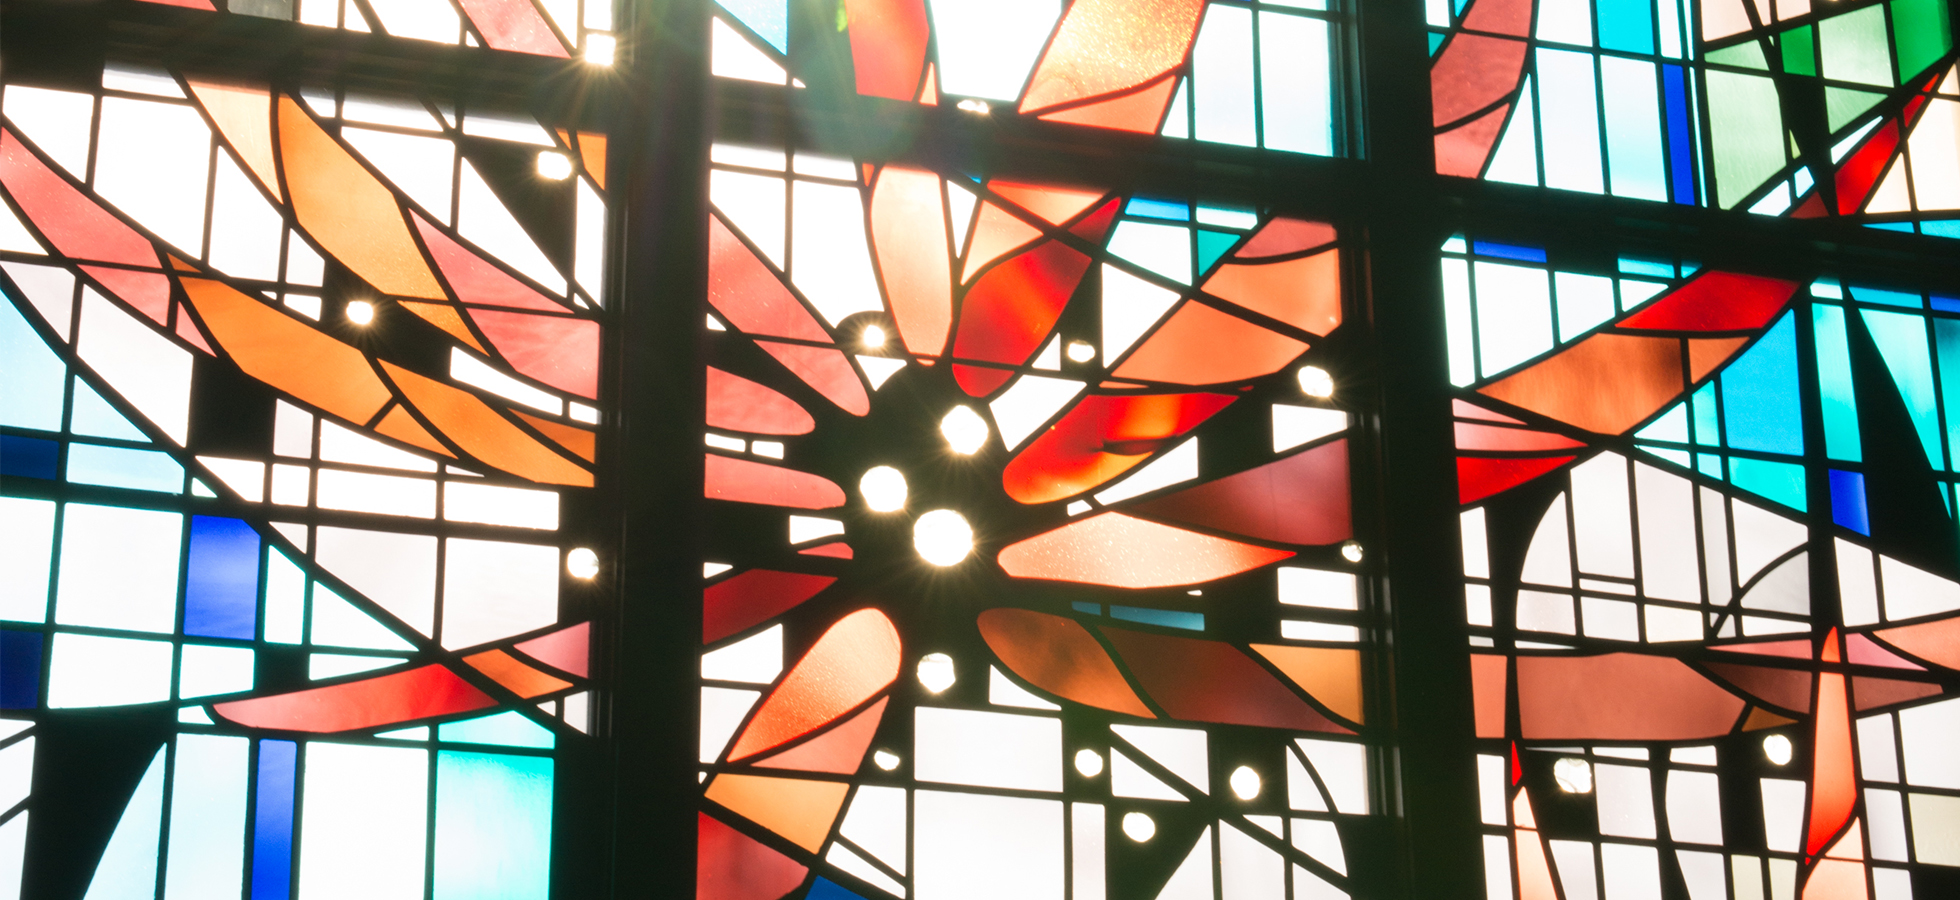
(1840, 400)
(1844, 105)
(1747, 132)
(1747, 55)
(1924, 35)
(1854, 47)
(1799, 48)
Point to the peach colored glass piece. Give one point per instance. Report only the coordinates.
(746, 481)
(1833, 782)
(514, 25)
(1141, 111)
(578, 440)
(1866, 652)
(1121, 551)
(1606, 383)
(1872, 693)
(1489, 686)
(855, 659)
(908, 228)
(1511, 17)
(287, 353)
(560, 351)
(745, 290)
(1058, 655)
(1331, 675)
(1490, 437)
(1798, 649)
(1787, 689)
(187, 329)
(567, 649)
(1200, 345)
(445, 317)
(798, 809)
(244, 116)
(401, 425)
(1534, 876)
(738, 404)
(74, 223)
(484, 434)
(730, 865)
(1104, 436)
(995, 233)
(347, 210)
(1463, 150)
(1109, 45)
(929, 92)
(1281, 237)
(825, 369)
(474, 279)
(147, 292)
(1620, 697)
(592, 154)
(1054, 205)
(1936, 642)
(888, 46)
(1464, 409)
(1721, 18)
(418, 693)
(1473, 72)
(1705, 355)
(840, 751)
(1304, 293)
(521, 679)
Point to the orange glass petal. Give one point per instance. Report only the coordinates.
(244, 116)
(1283, 236)
(287, 353)
(1606, 383)
(908, 228)
(580, 441)
(1200, 345)
(1141, 111)
(483, 433)
(1058, 655)
(1121, 551)
(799, 810)
(746, 481)
(996, 232)
(445, 317)
(1331, 675)
(1103, 437)
(825, 369)
(347, 210)
(855, 659)
(738, 404)
(1109, 45)
(518, 678)
(839, 751)
(401, 425)
(1304, 293)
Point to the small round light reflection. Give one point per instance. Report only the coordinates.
(1315, 382)
(1245, 783)
(582, 563)
(1139, 827)
(936, 672)
(360, 312)
(942, 537)
(1088, 762)
(1351, 551)
(554, 165)
(885, 759)
(600, 49)
(1574, 775)
(883, 488)
(964, 430)
(872, 337)
(1779, 749)
(1081, 351)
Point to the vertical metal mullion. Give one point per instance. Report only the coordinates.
(655, 388)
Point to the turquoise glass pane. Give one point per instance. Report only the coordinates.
(1834, 388)
(1760, 403)
(1946, 335)
(1626, 25)
(493, 827)
(1901, 340)
(143, 470)
(32, 375)
(1781, 482)
(510, 729)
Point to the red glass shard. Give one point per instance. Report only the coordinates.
(515, 676)
(1874, 693)
(1788, 649)
(834, 550)
(979, 381)
(419, 693)
(147, 292)
(1714, 301)
(187, 329)
(738, 404)
(1490, 437)
(1464, 409)
(1122, 551)
(560, 351)
(1058, 655)
(1102, 437)
(187, 4)
(1606, 383)
(567, 649)
(888, 46)
(1866, 652)
(1200, 345)
(1282, 236)
(1211, 681)
(908, 228)
(76, 225)
(1512, 17)
(753, 597)
(743, 481)
(1141, 111)
(1471, 73)
(1463, 150)
(730, 865)
(1786, 689)
(1302, 499)
(1011, 309)
(473, 279)
(1304, 293)
(827, 370)
(1833, 781)
(514, 25)
(1620, 697)
(840, 751)
(854, 660)
(1859, 173)
(1104, 46)
(1478, 477)
(746, 292)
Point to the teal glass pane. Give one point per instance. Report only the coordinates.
(1835, 390)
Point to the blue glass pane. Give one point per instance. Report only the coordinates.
(29, 457)
(1759, 394)
(1508, 251)
(221, 584)
(272, 827)
(1848, 501)
(20, 669)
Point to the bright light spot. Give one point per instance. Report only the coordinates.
(1088, 762)
(978, 107)
(1245, 783)
(360, 312)
(1081, 351)
(965, 431)
(1778, 749)
(1351, 551)
(1315, 382)
(599, 49)
(553, 165)
(1139, 827)
(942, 537)
(873, 337)
(885, 759)
(582, 563)
(1574, 775)
(936, 672)
(883, 488)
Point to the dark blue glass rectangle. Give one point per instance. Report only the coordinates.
(29, 457)
(1848, 501)
(20, 669)
(272, 826)
(221, 584)
(1507, 251)
(1680, 148)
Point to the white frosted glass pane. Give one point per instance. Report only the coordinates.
(390, 495)
(338, 623)
(1929, 735)
(128, 866)
(206, 670)
(100, 671)
(13, 854)
(1130, 306)
(152, 162)
(1911, 592)
(1886, 816)
(589, 245)
(245, 230)
(1296, 425)
(829, 259)
(734, 57)
(1516, 159)
(383, 110)
(988, 749)
(1633, 128)
(1163, 249)
(1343, 767)
(1456, 316)
(1935, 829)
(340, 444)
(1294, 82)
(1539, 611)
(1782, 813)
(423, 167)
(428, 20)
(1178, 465)
(1583, 302)
(502, 128)
(973, 847)
(1576, 871)
(1602, 517)
(1026, 405)
(285, 599)
(1616, 620)
(1857, 585)
(475, 372)
(207, 818)
(1565, 21)
(722, 710)
(492, 589)
(1632, 873)
(1514, 314)
(1549, 561)
(1002, 691)
(1184, 751)
(292, 430)
(1571, 116)
(482, 218)
(1706, 877)
(756, 205)
(56, 121)
(876, 822)
(149, 371)
(26, 547)
(1626, 801)
(987, 47)
(334, 665)
(397, 571)
(1221, 78)
(489, 504)
(51, 291)
(119, 568)
(757, 659)
(1490, 789)
(303, 265)
(1694, 807)
(1086, 850)
(364, 811)
(1497, 868)
(753, 157)
(1128, 779)
(1317, 588)
(1878, 757)
(16, 776)
(1248, 869)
